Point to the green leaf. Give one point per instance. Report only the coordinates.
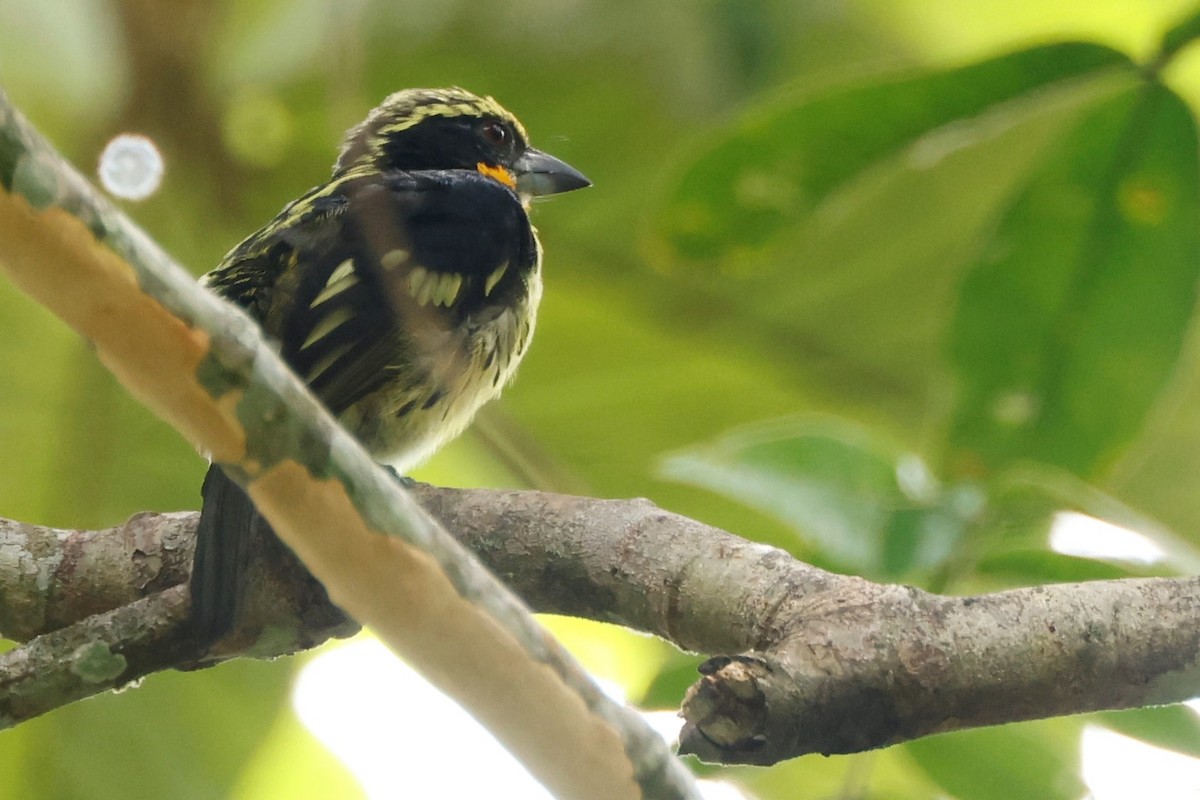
(1010, 542)
(1071, 320)
(781, 162)
(862, 502)
(826, 478)
(1031, 567)
(62, 63)
(180, 735)
(879, 775)
(849, 303)
(1028, 760)
(672, 681)
(1180, 35)
(1174, 727)
(291, 764)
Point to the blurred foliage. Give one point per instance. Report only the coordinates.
(889, 283)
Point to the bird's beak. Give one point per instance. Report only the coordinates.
(540, 173)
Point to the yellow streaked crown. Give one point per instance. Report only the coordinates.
(405, 111)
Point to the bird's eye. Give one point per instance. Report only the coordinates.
(494, 133)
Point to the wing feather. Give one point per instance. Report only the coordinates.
(390, 263)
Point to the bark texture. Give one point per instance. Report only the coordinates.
(806, 661)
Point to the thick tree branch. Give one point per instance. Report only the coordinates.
(824, 663)
(52, 578)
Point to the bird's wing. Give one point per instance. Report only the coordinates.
(413, 257)
(253, 273)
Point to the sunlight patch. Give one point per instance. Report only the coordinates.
(1117, 767)
(1076, 534)
(401, 737)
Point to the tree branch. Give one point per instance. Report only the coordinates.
(100, 652)
(825, 663)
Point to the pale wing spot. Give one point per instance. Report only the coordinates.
(327, 361)
(437, 284)
(417, 278)
(394, 259)
(494, 278)
(449, 286)
(522, 336)
(427, 289)
(328, 324)
(331, 290)
(344, 270)
(342, 279)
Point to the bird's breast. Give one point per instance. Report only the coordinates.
(451, 370)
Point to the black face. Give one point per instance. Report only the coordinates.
(452, 143)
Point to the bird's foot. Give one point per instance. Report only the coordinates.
(403, 480)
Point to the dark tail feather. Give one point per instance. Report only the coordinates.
(223, 536)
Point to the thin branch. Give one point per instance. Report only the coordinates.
(826, 663)
(203, 366)
(101, 652)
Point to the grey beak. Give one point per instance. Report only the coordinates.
(540, 173)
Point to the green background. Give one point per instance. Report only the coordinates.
(888, 283)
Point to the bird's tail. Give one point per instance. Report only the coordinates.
(223, 536)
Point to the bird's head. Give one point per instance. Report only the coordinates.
(427, 129)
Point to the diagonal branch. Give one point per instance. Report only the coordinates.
(203, 366)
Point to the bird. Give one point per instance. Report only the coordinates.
(403, 291)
